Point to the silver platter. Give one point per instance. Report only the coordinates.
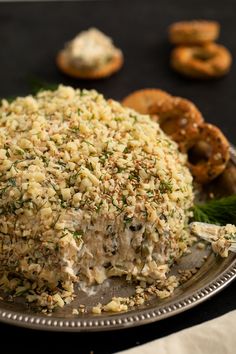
(214, 274)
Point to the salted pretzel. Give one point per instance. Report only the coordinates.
(193, 32)
(177, 116)
(182, 121)
(207, 61)
(178, 119)
(215, 153)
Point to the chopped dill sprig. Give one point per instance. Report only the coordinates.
(166, 187)
(115, 205)
(217, 211)
(78, 234)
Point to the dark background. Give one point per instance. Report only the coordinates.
(30, 36)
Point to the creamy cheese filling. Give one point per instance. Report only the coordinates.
(90, 49)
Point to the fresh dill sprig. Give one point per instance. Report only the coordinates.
(165, 187)
(37, 85)
(217, 211)
(10, 99)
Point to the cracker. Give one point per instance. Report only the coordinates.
(104, 71)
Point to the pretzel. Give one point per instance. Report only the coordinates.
(178, 118)
(142, 100)
(194, 32)
(207, 61)
(215, 157)
(182, 121)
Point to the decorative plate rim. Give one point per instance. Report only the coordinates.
(124, 320)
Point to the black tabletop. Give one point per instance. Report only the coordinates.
(30, 36)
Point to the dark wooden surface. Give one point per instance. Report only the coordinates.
(30, 36)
